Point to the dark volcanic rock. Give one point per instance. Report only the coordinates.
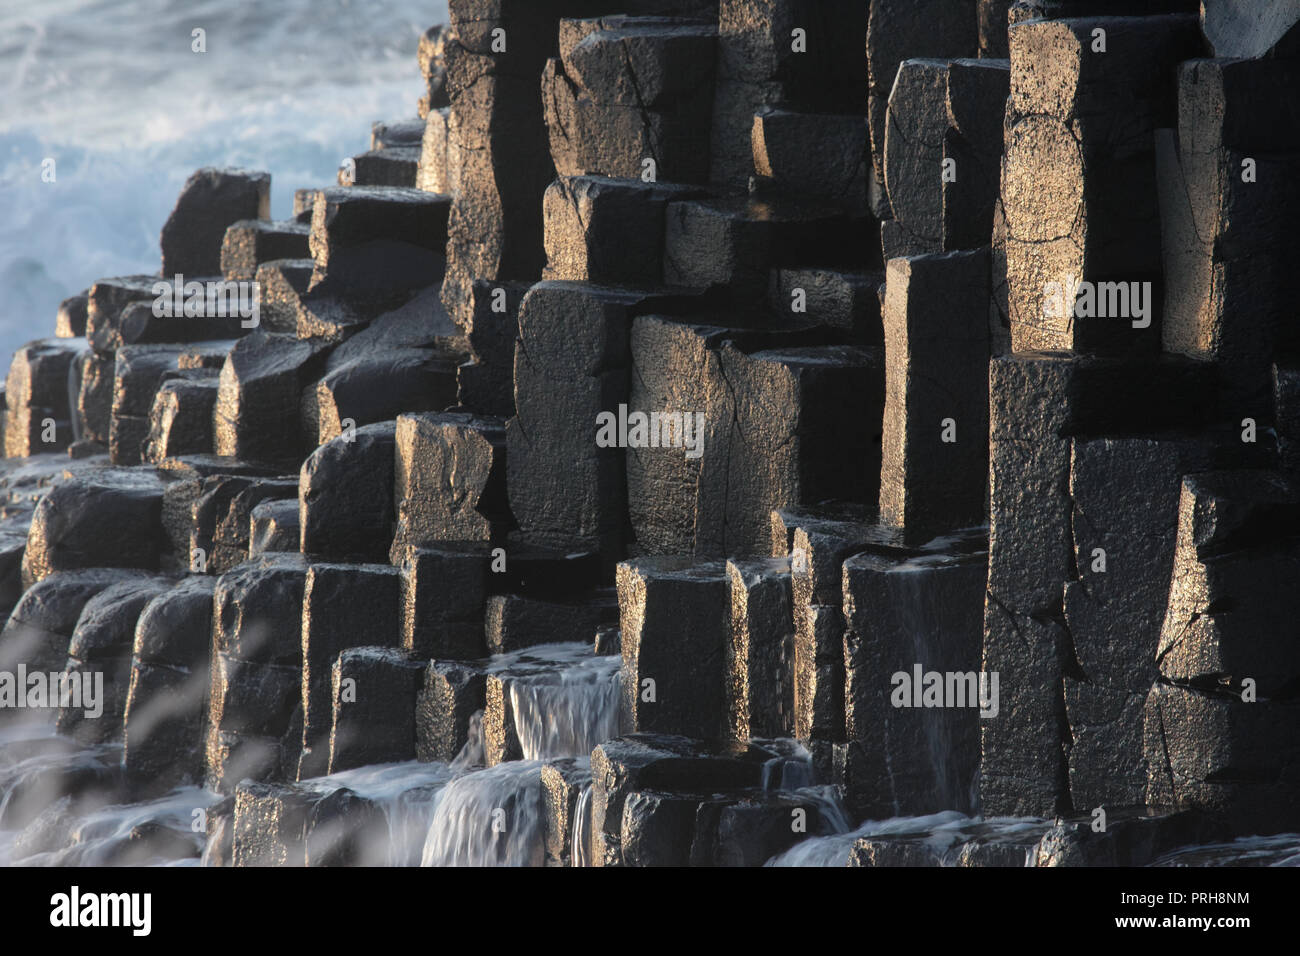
(513, 621)
(563, 783)
(250, 242)
(274, 526)
(452, 692)
(374, 707)
(1131, 838)
(450, 480)
(652, 761)
(139, 372)
(40, 627)
(261, 382)
(37, 408)
(180, 421)
(71, 321)
(592, 223)
(912, 746)
(278, 825)
(346, 508)
(674, 610)
(377, 387)
(444, 592)
(162, 730)
(110, 518)
(108, 299)
(101, 648)
(935, 442)
(760, 650)
(343, 606)
(211, 201)
(377, 244)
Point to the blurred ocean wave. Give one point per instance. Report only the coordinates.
(112, 91)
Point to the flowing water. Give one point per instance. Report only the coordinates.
(939, 832)
(461, 814)
(406, 792)
(564, 701)
(580, 851)
(912, 591)
(567, 709)
(490, 817)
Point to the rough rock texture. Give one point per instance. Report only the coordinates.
(255, 704)
(261, 379)
(898, 30)
(212, 200)
(343, 606)
(1220, 732)
(912, 736)
(1038, 401)
(760, 650)
(935, 445)
(572, 364)
(625, 765)
(124, 509)
(374, 707)
(345, 498)
(451, 693)
(450, 478)
(672, 610)
(37, 412)
(631, 97)
(1225, 174)
(167, 702)
(1079, 178)
(444, 591)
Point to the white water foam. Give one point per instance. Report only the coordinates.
(112, 91)
(491, 817)
(406, 792)
(568, 712)
(938, 831)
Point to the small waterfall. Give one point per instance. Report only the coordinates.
(45, 824)
(818, 851)
(791, 772)
(1280, 850)
(35, 765)
(490, 817)
(563, 701)
(834, 850)
(100, 838)
(566, 713)
(472, 753)
(409, 817)
(946, 835)
(407, 793)
(209, 851)
(74, 398)
(916, 602)
(791, 769)
(580, 854)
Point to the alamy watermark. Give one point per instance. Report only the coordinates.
(69, 690)
(922, 688)
(626, 429)
(133, 911)
(1099, 300)
(208, 300)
